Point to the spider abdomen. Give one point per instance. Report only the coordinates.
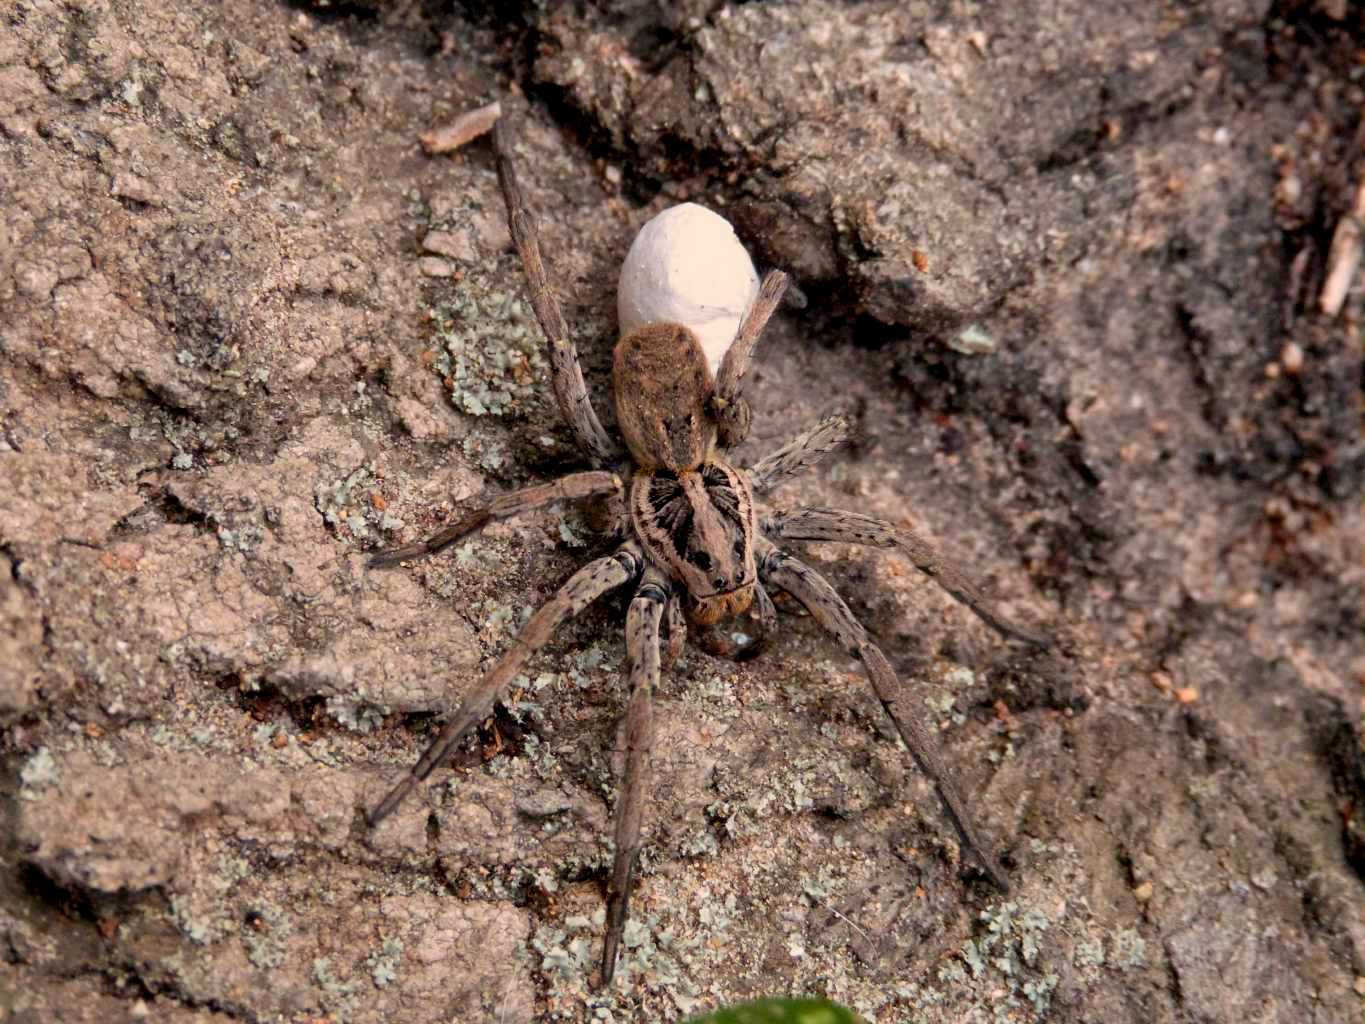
(661, 383)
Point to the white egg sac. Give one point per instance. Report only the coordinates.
(686, 266)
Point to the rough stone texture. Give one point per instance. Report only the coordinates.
(1053, 254)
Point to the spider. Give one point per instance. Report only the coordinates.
(695, 546)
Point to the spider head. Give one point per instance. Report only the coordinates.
(699, 527)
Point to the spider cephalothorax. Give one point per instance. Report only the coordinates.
(696, 546)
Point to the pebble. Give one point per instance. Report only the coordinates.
(434, 266)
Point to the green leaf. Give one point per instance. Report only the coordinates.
(781, 1011)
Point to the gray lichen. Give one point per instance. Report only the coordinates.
(383, 963)
(1129, 949)
(338, 992)
(1006, 958)
(355, 713)
(972, 340)
(348, 504)
(491, 354)
(200, 930)
(652, 954)
(39, 771)
(266, 936)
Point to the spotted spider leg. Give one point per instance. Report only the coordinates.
(595, 579)
(727, 405)
(571, 487)
(643, 655)
(675, 631)
(800, 453)
(764, 613)
(570, 391)
(851, 528)
(827, 608)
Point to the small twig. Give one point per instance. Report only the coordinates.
(464, 129)
(1343, 259)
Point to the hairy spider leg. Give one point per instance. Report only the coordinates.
(675, 630)
(727, 405)
(800, 453)
(572, 487)
(852, 528)
(642, 654)
(570, 391)
(829, 610)
(765, 614)
(583, 588)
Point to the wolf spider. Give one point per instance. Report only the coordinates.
(697, 548)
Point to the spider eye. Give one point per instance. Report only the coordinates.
(718, 582)
(702, 560)
(739, 546)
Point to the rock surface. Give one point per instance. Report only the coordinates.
(1061, 263)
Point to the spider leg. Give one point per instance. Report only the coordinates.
(727, 404)
(764, 613)
(582, 589)
(675, 631)
(570, 391)
(829, 609)
(642, 653)
(800, 453)
(514, 503)
(851, 528)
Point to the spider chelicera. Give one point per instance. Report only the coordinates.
(696, 547)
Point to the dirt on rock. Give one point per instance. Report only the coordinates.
(1061, 262)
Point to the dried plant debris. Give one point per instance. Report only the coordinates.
(462, 130)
